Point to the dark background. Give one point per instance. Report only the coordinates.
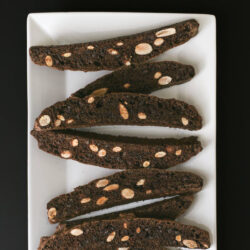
(232, 110)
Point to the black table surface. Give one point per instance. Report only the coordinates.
(232, 110)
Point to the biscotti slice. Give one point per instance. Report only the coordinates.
(116, 52)
(122, 188)
(143, 78)
(119, 109)
(129, 233)
(117, 152)
(166, 209)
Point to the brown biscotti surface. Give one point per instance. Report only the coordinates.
(114, 53)
(122, 188)
(166, 209)
(117, 152)
(119, 109)
(132, 233)
(143, 78)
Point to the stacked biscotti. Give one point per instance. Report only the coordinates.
(122, 98)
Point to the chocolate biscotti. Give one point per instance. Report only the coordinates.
(114, 53)
(117, 152)
(143, 78)
(129, 233)
(165, 209)
(122, 188)
(119, 109)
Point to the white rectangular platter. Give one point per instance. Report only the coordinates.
(49, 176)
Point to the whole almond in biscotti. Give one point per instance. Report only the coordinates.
(120, 109)
(116, 52)
(161, 183)
(117, 152)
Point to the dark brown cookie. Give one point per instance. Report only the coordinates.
(128, 233)
(119, 109)
(114, 53)
(117, 152)
(143, 78)
(122, 188)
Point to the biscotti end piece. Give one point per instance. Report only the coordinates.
(140, 78)
(117, 152)
(122, 188)
(117, 52)
(130, 233)
(119, 109)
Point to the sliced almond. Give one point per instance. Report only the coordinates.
(125, 238)
(165, 32)
(44, 120)
(158, 41)
(111, 187)
(149, 191)
(58, 122)
(142, 116)
(67, 54)
(190, 243)
(85, 200)
(123, 111)
(122, 248)
(169, 149)
(102, 183)
(90, 47)
(117, 149)
(76, 231)
(126, 85)
(125, 225)
(102, 153)
(157, 75)
(119, 43)
(138, 230)
(128, 193)
(70, 121)
(113, 52)
(48, 61)
(178, 152)
(111, 237)
(74, 142)
(146, 164)
(184, 121)
(143, 49)
(60, 117)
(99, 92)
(160, 154)
(52, 213)
(178, 238)
(93, 147)
(91, 99)
(127, 63)
(101, 200)
(165, 80)
(66, 154)
(140, 182)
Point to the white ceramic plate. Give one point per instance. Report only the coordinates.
(49, 176)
